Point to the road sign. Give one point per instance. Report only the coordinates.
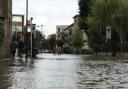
(108, 32)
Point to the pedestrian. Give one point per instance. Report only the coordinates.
(20, 48)
(54, 49)
(59, 50)
(13, 47)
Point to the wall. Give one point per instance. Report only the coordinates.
(6, 14)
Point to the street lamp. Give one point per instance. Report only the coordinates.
(15, 33)
(26, 28)
(41, 27)
(37, 37)
(31, 38)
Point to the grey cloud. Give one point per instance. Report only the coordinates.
(54, 12)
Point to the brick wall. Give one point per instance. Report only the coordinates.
(6, 13)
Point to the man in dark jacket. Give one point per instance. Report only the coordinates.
(20, 48)
(13, 47)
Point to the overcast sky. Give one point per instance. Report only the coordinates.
(48, 13)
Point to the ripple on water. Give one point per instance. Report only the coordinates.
(65, 72)
(103, 74)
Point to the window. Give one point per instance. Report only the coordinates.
(2, 18)
(58, 30)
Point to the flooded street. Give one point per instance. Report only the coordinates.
(50, 71)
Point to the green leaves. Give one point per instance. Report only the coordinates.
(84, 7)
(77, 39)
(101, 15)
(98, 14)
(120, 20)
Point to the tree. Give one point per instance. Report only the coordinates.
(95, 35)
(84, 7)
(105, 13)
(120, 22)
(114, 13)
(44, 43)
(77, 40)
(39, 38)
(51, 42)
(101, 16)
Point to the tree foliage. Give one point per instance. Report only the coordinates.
(39, 38)
(103, 13)
(84, 7)
(51, 42)
(77, 39)
(96, 37)
(120, 21)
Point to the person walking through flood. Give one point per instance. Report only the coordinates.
(54, 50)
(13, 47)
(20, 48)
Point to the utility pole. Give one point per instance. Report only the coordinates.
(41, 29)
(26, 30)
(37, 37)
(108, 37)
(31, 38)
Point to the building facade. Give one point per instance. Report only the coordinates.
(60, 30)
(65, 33)
(17, 27)
(76, 26)
(6, 19)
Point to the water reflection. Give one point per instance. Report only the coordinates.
(21, 74)
(103, 74)
(64, 72)
(5, 75)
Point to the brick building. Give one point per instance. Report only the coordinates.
(6, 18)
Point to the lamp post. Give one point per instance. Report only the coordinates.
(121, 39)
(108, 37)
(31, 38)
(15, 33)
(41, 28)
(37, 37)
(26, 29)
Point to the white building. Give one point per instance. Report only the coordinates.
(60, 30)
(76, 26)
(65, 33)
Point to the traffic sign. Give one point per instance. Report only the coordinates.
(108, 32)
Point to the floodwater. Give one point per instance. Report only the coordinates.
(50, 71)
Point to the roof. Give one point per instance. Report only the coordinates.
(17, 15)
(76, 16)
(69, 26)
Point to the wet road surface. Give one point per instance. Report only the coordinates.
(50, 71)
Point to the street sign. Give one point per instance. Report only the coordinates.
(108, 32)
